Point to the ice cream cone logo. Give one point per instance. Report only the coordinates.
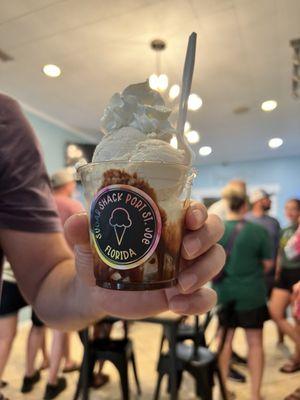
(120, 221)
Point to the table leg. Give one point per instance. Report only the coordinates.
(86, 366)
(172, 330)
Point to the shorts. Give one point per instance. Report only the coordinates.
(12, 301)
(229, 317)
(288, 278)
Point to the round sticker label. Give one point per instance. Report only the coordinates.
(125, 226)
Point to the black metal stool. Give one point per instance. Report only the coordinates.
(119, 352)
(197, 360)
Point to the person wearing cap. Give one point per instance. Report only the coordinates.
(60, 285)
(63, 185)
(261, 203)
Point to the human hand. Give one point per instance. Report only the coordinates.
(201, 260)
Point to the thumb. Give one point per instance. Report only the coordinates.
(77, 233)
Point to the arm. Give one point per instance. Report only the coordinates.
(278, 267)
(45, 270)
(67, 298)
(268, 265)
(266, 250)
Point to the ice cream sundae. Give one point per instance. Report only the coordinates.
(138, 190)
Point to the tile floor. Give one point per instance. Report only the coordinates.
(146, 341)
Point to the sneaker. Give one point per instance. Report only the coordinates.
(237, 359)
(236, 376)
(30, 381)
(54, 390)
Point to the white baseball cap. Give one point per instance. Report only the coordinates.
(257, 195)
(62, 177)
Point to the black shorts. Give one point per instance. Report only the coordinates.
(12, 301)
(247, 319)
(288, 278)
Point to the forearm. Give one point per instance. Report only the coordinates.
(63, 301)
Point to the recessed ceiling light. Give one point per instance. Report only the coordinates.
(51, 70)
(269, 105)
(173, 142)
(205, 151)
(274, 143)
(192, 136)
(194, 102)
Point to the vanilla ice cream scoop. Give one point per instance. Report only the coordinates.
(157, 150)
(118, 145)
(136, 128)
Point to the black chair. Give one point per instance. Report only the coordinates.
(117, 351)
(188, 332)
(197, 359)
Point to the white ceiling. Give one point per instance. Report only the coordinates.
(243, 58)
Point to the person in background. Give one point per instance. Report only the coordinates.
(260, 206)
(221, 209)
(287, 275)
(296, 313)
(63, 185)
(62, 289)
(292, 248)
(12, 302)
(241, 290)
(261, 203)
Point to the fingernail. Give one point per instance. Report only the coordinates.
(187, 281)
(178, 306)
(191, 245)
(198, 214)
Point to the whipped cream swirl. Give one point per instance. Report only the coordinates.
(139, 107)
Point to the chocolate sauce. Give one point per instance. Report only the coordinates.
(139, 214)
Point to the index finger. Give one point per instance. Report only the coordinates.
(196, 215)
(77, 229)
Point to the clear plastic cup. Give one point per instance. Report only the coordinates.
(136, 215)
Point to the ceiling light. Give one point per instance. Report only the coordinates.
(192, 136)
(174, 92)
(187, 126)
(194, 102)
(269, 105)
(159, 83)
(173, 142)
(153, 81)
(163, 82)
(51, 70)
(274, 143)
(205, 151)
